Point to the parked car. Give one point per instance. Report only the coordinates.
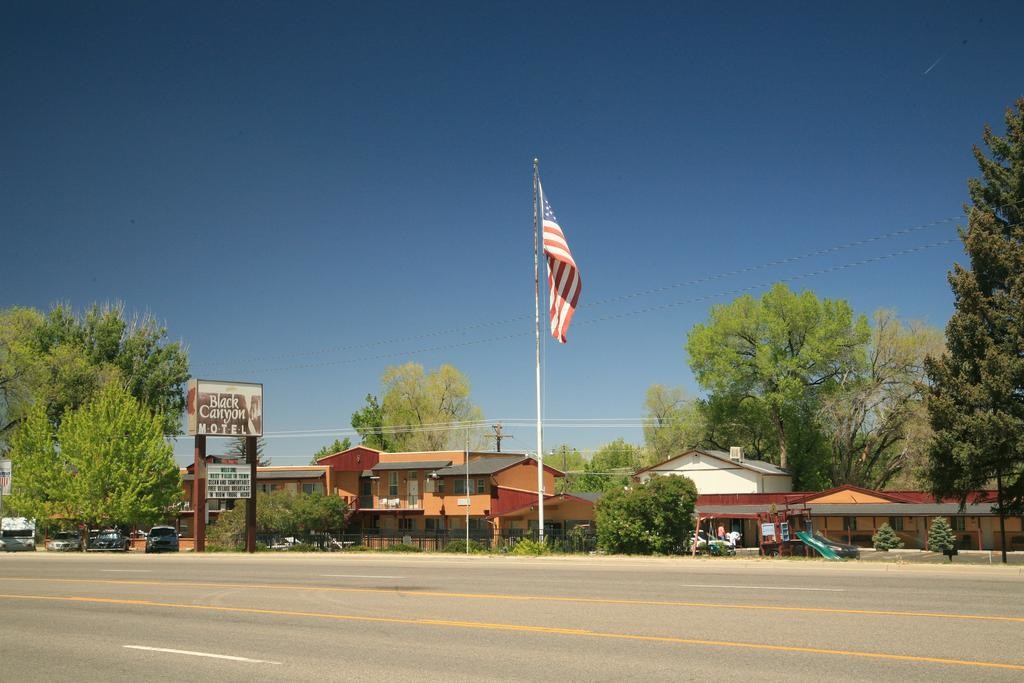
(162, 539)
(838, 547)
(63, 541)
(110, 540)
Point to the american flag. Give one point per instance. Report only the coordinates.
(5, 477)
(563, 277)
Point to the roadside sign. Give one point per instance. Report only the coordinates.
(228, 481)
(784, 531)
(768, 530)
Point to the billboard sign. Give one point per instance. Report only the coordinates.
(228, 481)
(224, 408)
(5, 477)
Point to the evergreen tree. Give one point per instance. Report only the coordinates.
(886, 538)
(975, 404)
(940, 537)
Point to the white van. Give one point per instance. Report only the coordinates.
(17, 533)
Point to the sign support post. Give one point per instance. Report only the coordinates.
(199, 496)
(250, 504)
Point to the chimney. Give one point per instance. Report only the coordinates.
(736, 453)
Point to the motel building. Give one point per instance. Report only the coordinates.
(427, 496)
(738, 494)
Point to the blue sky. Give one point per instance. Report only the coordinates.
(307, 193)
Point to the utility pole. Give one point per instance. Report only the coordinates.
(498, 436)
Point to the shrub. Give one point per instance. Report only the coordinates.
(655, 517)
(460, 547)
(526, 546)
(403, 548)
(302, 548)
(886, 539)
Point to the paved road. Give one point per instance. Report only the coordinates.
(289, 617)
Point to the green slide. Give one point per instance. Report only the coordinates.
(812, 542)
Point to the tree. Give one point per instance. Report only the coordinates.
(654, 517)
(110, 464)
(39, 490)
(571, 462)
(336, 447)
(976, 392)
(941, 538)
(874, 419)
(369, 423)
(236, 449)
(320, 513)
(63, 359)
(21, 370)
(610, 468)
(420, 411)
(777, 352)
(885, 538)
(674, 424)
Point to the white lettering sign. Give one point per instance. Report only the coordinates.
(228, 481)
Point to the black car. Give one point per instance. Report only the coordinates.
(162, 539)
(110, 540)
(838, 547)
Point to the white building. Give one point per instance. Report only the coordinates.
(721, 472)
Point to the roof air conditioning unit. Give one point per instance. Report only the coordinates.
(736, 453)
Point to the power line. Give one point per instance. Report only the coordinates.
(618, 316)
(588, 305)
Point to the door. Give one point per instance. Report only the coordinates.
(413, 488)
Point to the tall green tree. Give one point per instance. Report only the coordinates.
(236, 449)
(610, 468)
(874, 420)
(653, 517)
(775, 352)
(22, 372)
(62, 360)
(39, 488)
(110, 464)
(570, 461)
(420, 411)
(674, 423)
(368, 421)
(337, 447)
(976, 401)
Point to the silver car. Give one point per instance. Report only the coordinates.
(63, 541)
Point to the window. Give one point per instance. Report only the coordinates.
(958, 523)
(849, 523)
(407, 524)
(393, 484)
(316, 487)
(896, 523)
(265, 488)
(477, 524)
(434, 523)
(475, 486)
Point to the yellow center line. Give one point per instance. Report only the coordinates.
(531, 629)
(531, 598)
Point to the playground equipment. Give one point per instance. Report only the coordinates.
(812, 542)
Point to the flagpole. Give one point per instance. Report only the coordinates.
(536, 303)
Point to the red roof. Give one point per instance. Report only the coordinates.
(355, 459)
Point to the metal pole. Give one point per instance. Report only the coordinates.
(537, 198)
(469, 500)
(1002, 514)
